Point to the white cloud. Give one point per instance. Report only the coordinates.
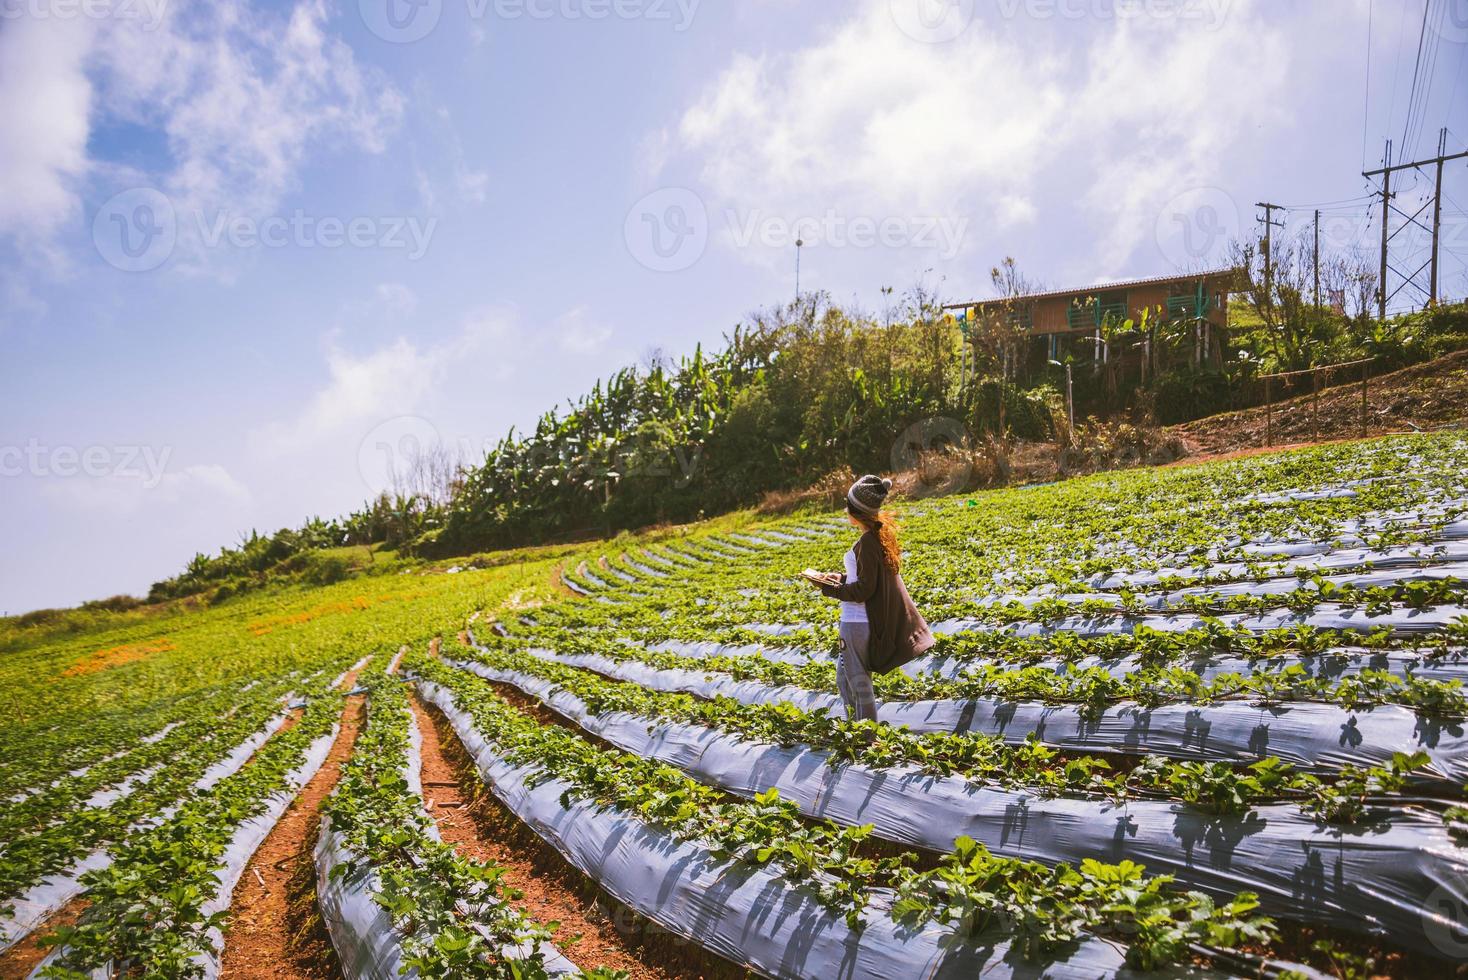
(393, 380)
(198, 485)
(1166, 129)
(243, 97)
(577, 333)
(473, 185)
(653, 151)
(240, 95)
(870, 117)
(388, 381)
(447, 165)
(1104, 124)
(396, 298)
(18, 300)
(45, 99)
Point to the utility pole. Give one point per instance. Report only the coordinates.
(799, 244)
(1386, 204)
(1437, 212)
(1317, 258)
(1386, 171)
(1269, 225)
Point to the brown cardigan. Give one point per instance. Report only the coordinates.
(899, 633)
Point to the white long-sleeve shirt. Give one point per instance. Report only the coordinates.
(852, 612)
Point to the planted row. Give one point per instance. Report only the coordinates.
(970, 890)
(984, 760)
(454, 916)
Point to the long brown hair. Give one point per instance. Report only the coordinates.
(885, 524)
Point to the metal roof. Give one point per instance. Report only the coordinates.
(1101, 287)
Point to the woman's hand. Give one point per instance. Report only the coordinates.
(821, 580)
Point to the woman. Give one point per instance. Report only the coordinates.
(881, 629)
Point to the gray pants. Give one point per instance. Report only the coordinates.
(852, 679)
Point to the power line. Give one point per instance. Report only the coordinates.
(1328, 204)
(1435, 200)
(1366, 94)
(1429, 73)
(1391, 103)
(1453, 92)
(1269, 225)
(1416, 70)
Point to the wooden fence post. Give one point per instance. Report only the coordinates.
(1365, 373)
(1314, 406)
(1268, 412)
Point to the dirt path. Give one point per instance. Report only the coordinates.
(275, 930)
(558, 585)
(20, 959)
(593, 930)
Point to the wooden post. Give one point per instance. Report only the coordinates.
(1268, 413)
(1437, 213)
(1365, 373)
(1386, 214)
(1314, 406)
(1386, 172)
(1316, 259)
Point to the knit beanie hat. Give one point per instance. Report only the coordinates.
(867, 494)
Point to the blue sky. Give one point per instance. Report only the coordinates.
(247, 246)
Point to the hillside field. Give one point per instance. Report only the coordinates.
(1202, 720)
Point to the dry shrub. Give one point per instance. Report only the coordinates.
(1065, 436)
(958, 469)
(828, 493)
(1096, 445)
